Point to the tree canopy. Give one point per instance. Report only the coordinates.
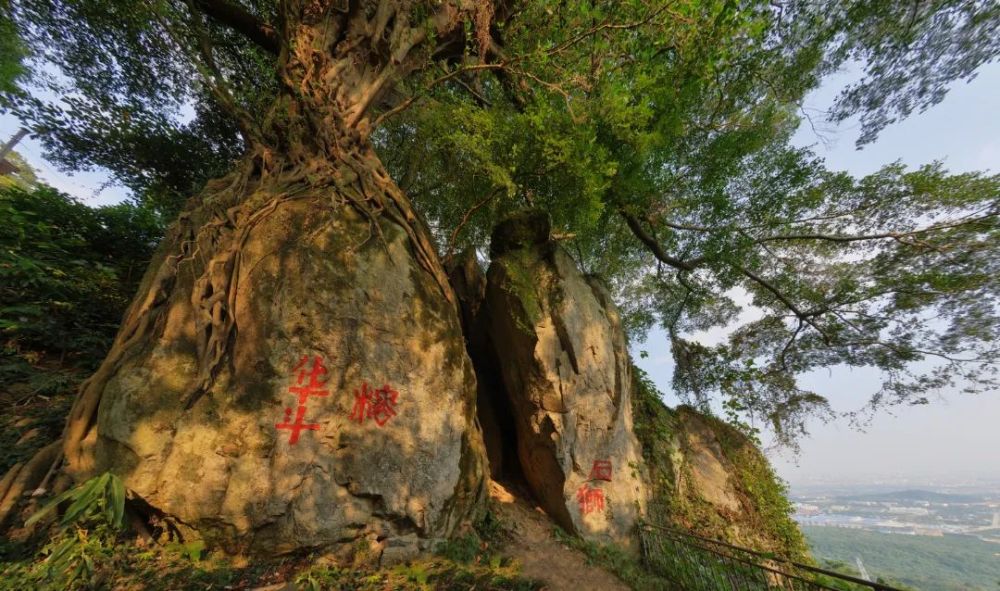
(657, 135)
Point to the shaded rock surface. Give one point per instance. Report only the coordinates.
(493, 407)
(564, 365)
(393, 454)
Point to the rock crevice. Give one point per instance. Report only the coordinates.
(558, 344)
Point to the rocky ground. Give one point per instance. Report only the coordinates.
(540, 554)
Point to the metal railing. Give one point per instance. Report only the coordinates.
(696, 563)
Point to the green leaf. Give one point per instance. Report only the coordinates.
(47, 508)
(85, 498)
(116, 504)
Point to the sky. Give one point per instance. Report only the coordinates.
(955, 439)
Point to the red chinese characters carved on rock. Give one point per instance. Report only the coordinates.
(308, 382)
(378, 404)
(601, 470)
(590, 499)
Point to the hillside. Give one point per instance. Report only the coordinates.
(948, 563)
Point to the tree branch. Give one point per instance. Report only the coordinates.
(237, 18)
(882, 236)
(465, 219)
(654, 246)
(214, 78)
(806, 316)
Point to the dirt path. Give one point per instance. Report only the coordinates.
(540, 555)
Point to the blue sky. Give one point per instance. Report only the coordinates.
(957, 437)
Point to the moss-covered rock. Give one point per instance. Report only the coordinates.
(707, 477)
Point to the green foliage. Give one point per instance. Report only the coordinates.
(192, 550)
(134, 104)
(89, 550)
(72, 559)
(102, 496)
(468, 561)
(84, 538)
(696, 565)
(655, 427)
(768, 494)
(463, 549)
(909, 52)
(105, 560)
(67, 271)
(421, 575)
(12, 54)
(477, 545)
(656, 134)
(948, 563)
(673, 175)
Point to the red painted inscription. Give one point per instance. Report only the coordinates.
(314, 387)
(308, 382)
(298, 426)
(377, 404)
(601, 470)
(590, 499)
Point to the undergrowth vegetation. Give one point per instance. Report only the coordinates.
(90, 546)
(627, 567)
(67, 272)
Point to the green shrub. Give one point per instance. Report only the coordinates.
(67, 272)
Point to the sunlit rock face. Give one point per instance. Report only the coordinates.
(345, 413)
(564, 362)
(709, 473)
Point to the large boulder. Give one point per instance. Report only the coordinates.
(346, 411)
(565, 367)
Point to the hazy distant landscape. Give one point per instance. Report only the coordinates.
(932, 540)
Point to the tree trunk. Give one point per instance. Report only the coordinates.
(292, 372)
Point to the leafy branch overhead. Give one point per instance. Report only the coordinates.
(656, 134)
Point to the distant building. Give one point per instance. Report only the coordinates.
(805, 509)
(908, 510)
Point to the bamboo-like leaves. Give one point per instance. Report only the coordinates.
(102, 495)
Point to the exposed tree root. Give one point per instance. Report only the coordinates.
(24, 478)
